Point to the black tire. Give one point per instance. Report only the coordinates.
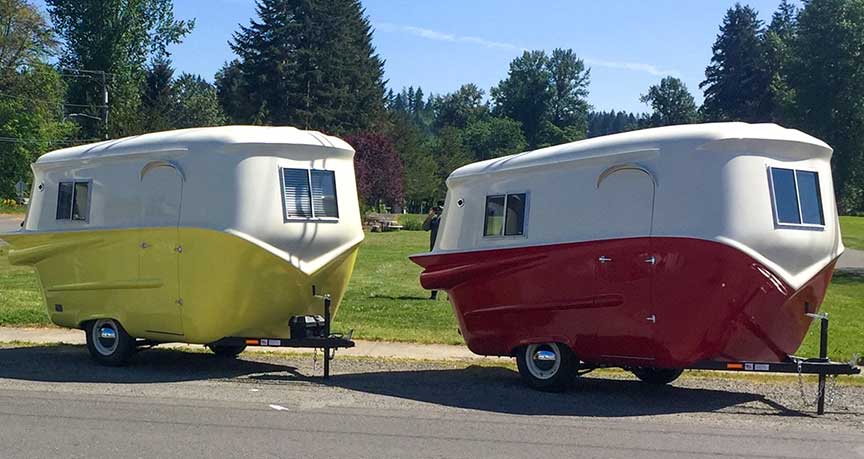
(108, 342)
(550, 367)
(230, 352)
(657, 376)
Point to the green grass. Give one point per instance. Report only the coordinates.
(19, 210)
(852, 229)
(20, 300)
(385, 301)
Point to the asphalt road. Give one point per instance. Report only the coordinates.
(9, 223)
(55, 403)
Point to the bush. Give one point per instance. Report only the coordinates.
(412, 222)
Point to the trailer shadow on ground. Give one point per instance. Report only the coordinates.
(499, 390)
(70, 363)
(484, 388)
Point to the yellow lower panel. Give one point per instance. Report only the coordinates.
(217, 285)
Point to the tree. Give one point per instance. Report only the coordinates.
(568, 106)
(25, 39)
(31, 122)
(233, 95)
(312, 65)
(777, 45)
(546, 95)
(493, 137)
(671, 102)
(378, 169)
(736, 82)
(450, 153)
(157, 96)
(420, 169)
(526, 93)
(458, 108)
(827, 75)
(195, 103)
(117, 37)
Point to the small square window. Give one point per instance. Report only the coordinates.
(797, 197)
(309, 194)
(73, 201)
(505, 215)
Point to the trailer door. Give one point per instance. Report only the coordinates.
(161, 193)
(623, 274)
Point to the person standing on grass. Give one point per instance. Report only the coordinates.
(433, 220)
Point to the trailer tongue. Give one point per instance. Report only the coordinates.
(316, 338)
(821, 366)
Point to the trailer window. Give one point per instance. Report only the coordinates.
(324, 203)
(309, 194)
(505, 215)
(73, 201)
(797, 198)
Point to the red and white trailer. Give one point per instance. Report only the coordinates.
(652, 250)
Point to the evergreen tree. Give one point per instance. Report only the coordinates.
(233, 95)
(312, 65)
(777, 46)
(827, 75)
(736, 82)
(493, 137)
(671, 102)
(156, 97)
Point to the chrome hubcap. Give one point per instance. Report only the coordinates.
(543, 360)
(105, 336)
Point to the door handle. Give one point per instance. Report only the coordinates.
(145, 245)
(651, 260)
(652, 318)
(604, 259)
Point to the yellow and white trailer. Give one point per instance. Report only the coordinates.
(191, 235)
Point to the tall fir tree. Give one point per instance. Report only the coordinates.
(736, 82)
(827, 75)
(777, 47)
(156, 96)
(311, 65)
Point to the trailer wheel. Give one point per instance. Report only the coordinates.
(108, 342)
(222, 350)
(658, 376)
(549, 367)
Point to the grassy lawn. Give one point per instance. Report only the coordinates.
(385, 301)
(852, 229)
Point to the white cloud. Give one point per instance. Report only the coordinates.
(435, 35)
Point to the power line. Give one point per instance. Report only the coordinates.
(30, 99)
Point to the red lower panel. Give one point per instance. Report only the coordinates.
(699, 300)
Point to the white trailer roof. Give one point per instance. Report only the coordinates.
(647, 139)
(185, 139)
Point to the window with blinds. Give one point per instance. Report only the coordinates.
(309, 194)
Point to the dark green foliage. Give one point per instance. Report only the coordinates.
(671, 102)
(117, 37)
(306, 64)
(157, 96)
(826, 71)
(194, 103)
(546, 95)
(31, 122)
(612, 122)
(25, 39)
(492, 137)
(736, 81)
(457, 109)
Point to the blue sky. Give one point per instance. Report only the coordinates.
(441, 44)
